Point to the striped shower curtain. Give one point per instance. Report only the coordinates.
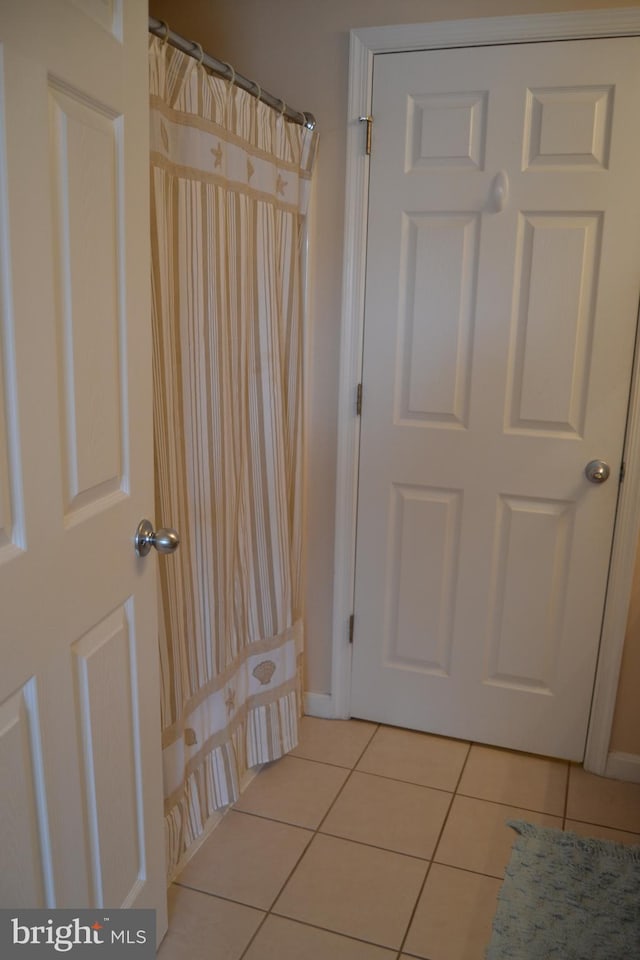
(230, 181)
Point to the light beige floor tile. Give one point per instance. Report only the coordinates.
(202, 927)
(603, 833)
(534, 783)
(246, 859)
(333, 741)
(353, 889)
(281, 939)
(389, 813)
(454, 915)
(611, 803)
(477, 838)
(293, 790)
(415, 757)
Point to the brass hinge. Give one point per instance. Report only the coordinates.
(369, 122)
(352, 620)
(359, 399)
(623, 468)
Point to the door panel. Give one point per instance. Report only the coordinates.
(85, 143)
(439, 261)
(556, 266)
(79, 695)
(24, 832)
(502, 295)
(110, 746)
(527, 592)
(421, 629)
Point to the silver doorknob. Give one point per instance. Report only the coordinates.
(597, 471)
(165, 540)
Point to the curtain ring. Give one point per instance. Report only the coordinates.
(231, 71)
(164, 39)
(197, 46)
(282, 108)
(258, 88)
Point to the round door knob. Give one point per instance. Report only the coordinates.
(165, 540)
(597, 471)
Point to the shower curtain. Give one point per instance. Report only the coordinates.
(230, 180)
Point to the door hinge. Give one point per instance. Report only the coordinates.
(369, 122)
(352, 621)
(359, 399)
(623, 468)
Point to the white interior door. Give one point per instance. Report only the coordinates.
(503, 268)
(81, 812)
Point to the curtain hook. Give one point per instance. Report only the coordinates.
(163, 23)
(231, 71)
(197, 46)
(228, 100)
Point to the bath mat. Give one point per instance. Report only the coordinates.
(567, 897)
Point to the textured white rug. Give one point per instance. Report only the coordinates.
(567, 897)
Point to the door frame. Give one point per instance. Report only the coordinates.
(365, 43)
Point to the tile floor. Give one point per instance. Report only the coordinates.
(374, 843)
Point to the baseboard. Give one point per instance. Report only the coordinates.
(623, 766)
(209, 827)
(320, 705)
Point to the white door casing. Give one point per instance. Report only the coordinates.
(364, 44)
(81, 817)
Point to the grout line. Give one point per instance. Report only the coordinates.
(275, 899)
(411, 783)
(351, 772)
(283, 823)
(255, 934)
(252, 906)
(607, 826)
(464, 766)
(435, 848)
(376, 846)
(362, 843)
(322, 763)
(342, 766)
(367, 745)
(347, 936)
(218, 896)
(307, 846)
(475, 873)
(512, 806)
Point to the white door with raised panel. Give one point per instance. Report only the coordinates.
(80, 756)
(503, 271)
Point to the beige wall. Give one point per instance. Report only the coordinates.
(625, 735)
(298, 50)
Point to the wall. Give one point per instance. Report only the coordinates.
(298, 49)
(625, 736)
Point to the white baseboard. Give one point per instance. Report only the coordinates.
(320, 705)
(623, 766)
(209, 827)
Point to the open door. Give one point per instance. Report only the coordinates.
(81, 821)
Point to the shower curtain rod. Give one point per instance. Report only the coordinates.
(160, 29)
